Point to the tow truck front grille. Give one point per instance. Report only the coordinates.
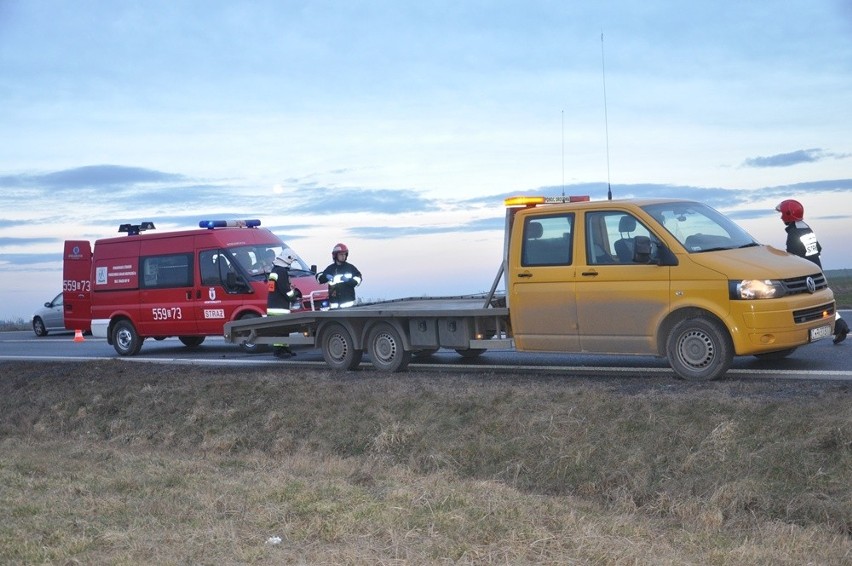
(814, 313)
(798, 285)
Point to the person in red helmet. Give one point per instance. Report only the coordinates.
(342, 277)
(802, 241)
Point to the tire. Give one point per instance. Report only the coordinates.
(125, 339)
(38, 327)
(699, 349)
(191, 341)
(470, 353)
(338, 348)
(253, 348)
(424, 354)
(772, 356)
(387, 351)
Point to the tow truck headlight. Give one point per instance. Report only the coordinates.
(748, 289)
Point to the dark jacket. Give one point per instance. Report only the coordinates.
(802, 241)
(343, 292)
(280, 291)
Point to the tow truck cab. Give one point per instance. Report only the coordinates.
(668, 277)
(185, 283)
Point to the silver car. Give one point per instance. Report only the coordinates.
(49, 318)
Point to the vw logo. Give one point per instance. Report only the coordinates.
(811, 285)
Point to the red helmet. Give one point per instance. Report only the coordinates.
(791, 210)
(339, 248)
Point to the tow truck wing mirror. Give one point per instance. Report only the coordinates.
(641, 249)
(644, 252)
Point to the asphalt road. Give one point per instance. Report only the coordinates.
(821, 360)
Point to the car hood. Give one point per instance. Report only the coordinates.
(756, 262)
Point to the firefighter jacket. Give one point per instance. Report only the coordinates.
(342, 278)
(802, 241)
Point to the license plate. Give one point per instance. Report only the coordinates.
(820, 332)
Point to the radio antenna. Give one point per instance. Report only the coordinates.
(606, 121)
(563, 155)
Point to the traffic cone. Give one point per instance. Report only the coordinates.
(78, 336)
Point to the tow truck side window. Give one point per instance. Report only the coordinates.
(167, 271)
(547, 240)
(610, 236)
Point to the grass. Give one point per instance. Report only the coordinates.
(137, 463)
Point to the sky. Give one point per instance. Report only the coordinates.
(398, 128)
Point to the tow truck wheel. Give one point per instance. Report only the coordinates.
(125, 339)
(470, 353)
(191, 341)
(387, 352)
(338, 348)
(699, 349)
(252, 348)
(772, 356)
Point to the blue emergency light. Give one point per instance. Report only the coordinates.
(210, 224)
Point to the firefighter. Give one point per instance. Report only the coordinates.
(280, 295)
(342, 278)
(802, 241)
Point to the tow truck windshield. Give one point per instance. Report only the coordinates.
(700, 228)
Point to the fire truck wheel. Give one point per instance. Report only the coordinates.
(387, 352)
(252, 348)
(125, 339)
(699, 349)
(338, 348)
(191, 341)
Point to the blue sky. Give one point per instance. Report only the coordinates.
(398, 127)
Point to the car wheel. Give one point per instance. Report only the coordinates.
(125, 339)
(38, 327)
(699, 349)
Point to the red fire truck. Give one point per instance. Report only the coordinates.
(186, 284)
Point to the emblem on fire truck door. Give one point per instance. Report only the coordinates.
(211, 292)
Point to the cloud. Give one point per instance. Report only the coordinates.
(91, 176)
(793, 158)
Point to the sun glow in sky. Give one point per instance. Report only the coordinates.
(398, 127)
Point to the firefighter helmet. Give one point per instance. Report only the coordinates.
(285, 258)
(339, 249)
(791, 210)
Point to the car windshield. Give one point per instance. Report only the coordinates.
(698, 227)
(257, 260)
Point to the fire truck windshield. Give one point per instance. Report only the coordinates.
(256, 261)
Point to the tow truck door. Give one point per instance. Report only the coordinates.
(619, 302)
(543, 307)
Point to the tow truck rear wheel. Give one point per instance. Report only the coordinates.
(252, 348)
(191, 341)
(387, 352)
(470, 353)
(338, 348)
(125, 339)
(699, 349)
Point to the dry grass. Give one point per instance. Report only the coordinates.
(129, 463)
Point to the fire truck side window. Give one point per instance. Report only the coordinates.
(547, 240)
(167, 271)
